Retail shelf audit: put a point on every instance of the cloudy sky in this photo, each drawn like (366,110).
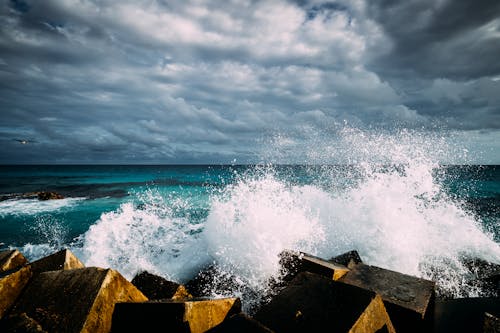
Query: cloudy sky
(211,81)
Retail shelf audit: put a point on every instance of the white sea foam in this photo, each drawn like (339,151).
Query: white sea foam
(21,207)
(397,218)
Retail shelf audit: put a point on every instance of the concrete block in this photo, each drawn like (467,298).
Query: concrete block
(191,316)
(314,303)
(409,300)
(20,323)
(63,259)
(491,323)
(11,259)
(76,300)
(464,314)
(348,259)
(155,287)
(12,285)
(240,323)
(293,262)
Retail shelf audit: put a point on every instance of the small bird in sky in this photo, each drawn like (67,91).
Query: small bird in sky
(24,141)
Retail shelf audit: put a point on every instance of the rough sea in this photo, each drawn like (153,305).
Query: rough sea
(406,212)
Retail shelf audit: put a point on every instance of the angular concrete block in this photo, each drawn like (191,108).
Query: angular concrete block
(155,287)
(293,262)
(491,323)
(240,323)
(409,300)
(314,303)
(11,259)
(76,300)
(20,323)
(464,314)
(348,259)
(63,259)
(190,316)
(11,286)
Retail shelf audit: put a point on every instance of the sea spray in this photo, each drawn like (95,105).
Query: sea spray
(387,200)
(144,236)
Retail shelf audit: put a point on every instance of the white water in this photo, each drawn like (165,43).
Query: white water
(400,220)
(34,206)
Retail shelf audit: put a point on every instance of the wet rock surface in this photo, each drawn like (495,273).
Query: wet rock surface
(58,294)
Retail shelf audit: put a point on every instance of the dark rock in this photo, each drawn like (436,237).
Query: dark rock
(464,314)
(484,276)
(293,262)
(240,323)
(190,316)
(314,303)
(11,259)
(348,259)
(212,280)
(491,323)
(76,300)
(20,323)
(63,259)
(155,287)
(409,300)
(49,196)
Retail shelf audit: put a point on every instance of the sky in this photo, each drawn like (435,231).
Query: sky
(201,81)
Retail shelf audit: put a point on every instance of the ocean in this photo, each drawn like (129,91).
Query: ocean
(172,220)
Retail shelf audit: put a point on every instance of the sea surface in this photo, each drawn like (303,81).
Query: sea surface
(173,220)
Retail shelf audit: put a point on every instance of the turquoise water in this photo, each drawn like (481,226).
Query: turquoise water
(173,220)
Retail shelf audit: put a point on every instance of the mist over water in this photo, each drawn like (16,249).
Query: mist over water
(388,202)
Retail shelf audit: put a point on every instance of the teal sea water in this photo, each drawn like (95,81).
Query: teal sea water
(393,203)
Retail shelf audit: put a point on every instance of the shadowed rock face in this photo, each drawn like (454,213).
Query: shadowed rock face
(11,259)
(33,195)
(313,303)
(76,300)
(196,315)
(155,287)
(409,300)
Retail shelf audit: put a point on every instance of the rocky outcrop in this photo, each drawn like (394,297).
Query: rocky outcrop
(42,195)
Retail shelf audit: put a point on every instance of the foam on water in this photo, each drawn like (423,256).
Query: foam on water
(394,211)
(34,206)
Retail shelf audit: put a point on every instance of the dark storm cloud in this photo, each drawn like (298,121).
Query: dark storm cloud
(191,82)
(453,39)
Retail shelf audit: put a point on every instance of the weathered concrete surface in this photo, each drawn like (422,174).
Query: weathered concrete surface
(314,303)
(348,259)
(11,286)
(76,300)
(409,300)
(191,316)
(491,323)
(20,323)
(63,259)
(293,262)
(155,287)
(11,259)
(464,314)
(240,323)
